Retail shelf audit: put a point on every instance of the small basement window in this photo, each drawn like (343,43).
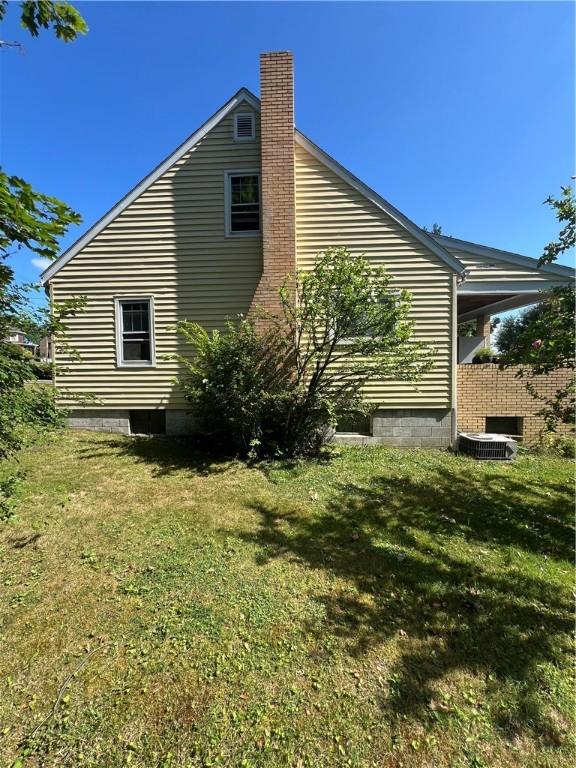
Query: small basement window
(149,422)
(357,425)
(242,203)
(244,126)
(135,331)
(505,425)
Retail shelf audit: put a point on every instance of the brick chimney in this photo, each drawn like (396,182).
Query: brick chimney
(277,177)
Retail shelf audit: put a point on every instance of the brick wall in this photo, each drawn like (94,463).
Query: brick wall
(485,390)
(277,180)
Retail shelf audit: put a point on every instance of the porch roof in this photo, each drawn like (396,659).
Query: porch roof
(497,281)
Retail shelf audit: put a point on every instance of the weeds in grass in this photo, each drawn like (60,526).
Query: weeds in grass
(388,608)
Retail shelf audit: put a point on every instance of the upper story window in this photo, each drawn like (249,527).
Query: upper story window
(242,200)
(244,128)
(135,331)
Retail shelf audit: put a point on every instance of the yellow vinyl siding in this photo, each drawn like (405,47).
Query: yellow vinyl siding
(490,269)
(169,243)
(330,212)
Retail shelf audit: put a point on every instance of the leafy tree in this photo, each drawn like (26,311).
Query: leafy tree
(31,220)
(565,209)
(545,342)
(436,229)
(348,326)
(512,327)
(61,17)
(27,219)
(278,390)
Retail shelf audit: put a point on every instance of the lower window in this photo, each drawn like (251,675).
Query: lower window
(135,331)
(505,425)
(148,422)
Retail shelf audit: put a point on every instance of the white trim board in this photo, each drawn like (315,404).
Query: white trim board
(227,203)
(507,286)
(243,95)
(119,324)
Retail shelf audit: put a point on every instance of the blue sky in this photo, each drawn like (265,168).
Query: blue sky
(457,113)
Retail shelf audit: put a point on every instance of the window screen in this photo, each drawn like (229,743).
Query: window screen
(244,196)
(135,331)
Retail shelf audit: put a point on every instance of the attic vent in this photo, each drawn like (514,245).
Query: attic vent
(244,126)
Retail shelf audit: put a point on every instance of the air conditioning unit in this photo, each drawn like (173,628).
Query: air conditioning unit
(486,445)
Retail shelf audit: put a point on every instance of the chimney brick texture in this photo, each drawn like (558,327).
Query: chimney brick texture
(277,178)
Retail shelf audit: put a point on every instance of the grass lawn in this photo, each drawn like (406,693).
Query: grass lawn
(390,608)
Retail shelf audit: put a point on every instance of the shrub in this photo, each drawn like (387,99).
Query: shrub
(41,370)
(238,385)
(485,355)
(280,391)
(7,493)
(557,445)
(25,407)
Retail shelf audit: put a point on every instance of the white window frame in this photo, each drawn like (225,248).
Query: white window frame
(228,202)
(118,302)
(252,117)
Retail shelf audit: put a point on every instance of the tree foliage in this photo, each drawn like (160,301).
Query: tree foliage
(348,326)
(34,221)
(65,21)
(565,210)
(31,219)
(278,387)
(545,336)
(512,328)
(436,229)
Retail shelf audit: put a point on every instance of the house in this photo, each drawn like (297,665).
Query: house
(18,337)
(212,232)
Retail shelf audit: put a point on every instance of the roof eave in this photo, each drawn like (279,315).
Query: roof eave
(506,256)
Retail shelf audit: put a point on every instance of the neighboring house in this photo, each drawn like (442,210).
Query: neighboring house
(213,231)
(18,337)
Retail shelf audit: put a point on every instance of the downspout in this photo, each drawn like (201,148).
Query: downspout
(456,279)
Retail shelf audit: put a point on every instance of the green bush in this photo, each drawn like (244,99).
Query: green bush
(41,370)
(25,407)
(281,391)
(557,445)
(485,354)
(239,387)
(7,496)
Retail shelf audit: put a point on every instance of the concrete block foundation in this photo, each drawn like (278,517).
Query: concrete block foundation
(100,420)
(178,422)
(405,427)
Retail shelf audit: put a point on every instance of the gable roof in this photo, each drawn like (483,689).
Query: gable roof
(517,259)
(244,95)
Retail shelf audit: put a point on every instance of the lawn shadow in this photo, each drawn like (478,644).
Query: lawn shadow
(391,544)
(166,455)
